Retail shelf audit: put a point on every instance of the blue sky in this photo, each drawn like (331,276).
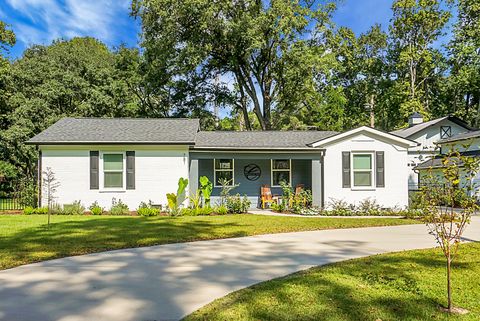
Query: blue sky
(41,21)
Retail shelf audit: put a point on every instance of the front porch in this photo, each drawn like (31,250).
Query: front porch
(253,170)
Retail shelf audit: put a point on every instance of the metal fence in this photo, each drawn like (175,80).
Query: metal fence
(11,204)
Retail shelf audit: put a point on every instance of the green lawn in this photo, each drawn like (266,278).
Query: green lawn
(26,239)
(399,286)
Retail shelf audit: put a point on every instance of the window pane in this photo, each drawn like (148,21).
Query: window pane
(222,175)
(112,179)
(362,161)
(224,164)
(113,162)
(281,164)
(362,179)
(281,176)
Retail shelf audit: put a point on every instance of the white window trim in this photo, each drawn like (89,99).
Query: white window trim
(372,170)
(102,173)
(223,170)
(280,170)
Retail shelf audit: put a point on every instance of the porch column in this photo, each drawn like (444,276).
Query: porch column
(193,176)
(317,182)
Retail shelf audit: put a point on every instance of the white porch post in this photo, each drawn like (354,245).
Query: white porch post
(317,182)
(193,176)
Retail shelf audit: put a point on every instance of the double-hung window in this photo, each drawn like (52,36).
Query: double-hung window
(362,169)
(223,171)
(113,170)
(281,171)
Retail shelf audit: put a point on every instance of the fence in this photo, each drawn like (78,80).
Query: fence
(11,204)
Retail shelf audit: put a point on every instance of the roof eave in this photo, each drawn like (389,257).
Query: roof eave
(262,149)
(107,143)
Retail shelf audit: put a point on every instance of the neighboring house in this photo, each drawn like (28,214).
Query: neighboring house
(427,134)
(139,160)
(467,143)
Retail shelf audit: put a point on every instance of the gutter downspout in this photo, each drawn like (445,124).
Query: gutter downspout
(322,179)
(39,178)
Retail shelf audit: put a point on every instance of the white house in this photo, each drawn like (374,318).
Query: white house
(139,160)
(427,135)
(468,144)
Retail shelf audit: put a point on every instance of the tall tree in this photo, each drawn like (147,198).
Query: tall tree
(7,40)
(195,49)
(415,26)
(464,52)
(78,77)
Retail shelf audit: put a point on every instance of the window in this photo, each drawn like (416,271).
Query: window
(223,169)
(445,132)
(362,170)
(113,170)
(281,171)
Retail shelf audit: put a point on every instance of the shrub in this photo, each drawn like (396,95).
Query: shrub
(368,207)
(41,210)
(278,207)
(196,211)
(237,204)
(220,210)
(205,211)
(95,209)
(76,208)
(145,209)
(28,210)
(340,208)
(119,208)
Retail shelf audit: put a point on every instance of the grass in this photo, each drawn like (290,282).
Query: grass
(409,285)
(26,239)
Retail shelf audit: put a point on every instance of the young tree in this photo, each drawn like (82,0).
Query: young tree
(270,50)
(448,199)
(50,185)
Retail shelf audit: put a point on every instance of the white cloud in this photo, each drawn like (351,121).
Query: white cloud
(52,19)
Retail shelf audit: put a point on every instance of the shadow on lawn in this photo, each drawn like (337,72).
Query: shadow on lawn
(399,295)
(76,237)
(147,283)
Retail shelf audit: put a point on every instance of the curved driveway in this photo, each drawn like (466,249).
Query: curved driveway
(167,282)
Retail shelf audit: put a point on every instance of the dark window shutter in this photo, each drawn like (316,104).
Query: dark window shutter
(130,170)
(346,169)
(94,160)
(380,168)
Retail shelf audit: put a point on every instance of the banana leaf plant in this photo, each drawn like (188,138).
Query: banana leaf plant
(176,200)
(206,188)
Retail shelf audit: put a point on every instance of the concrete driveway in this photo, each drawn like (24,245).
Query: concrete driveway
(170,281)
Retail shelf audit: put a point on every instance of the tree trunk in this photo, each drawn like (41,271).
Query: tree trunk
(449,286)
(372,111)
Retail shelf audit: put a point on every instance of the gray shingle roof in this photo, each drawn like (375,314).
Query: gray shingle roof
(259,139)
(407,132)
(436,162)
(461,136)
(119,130)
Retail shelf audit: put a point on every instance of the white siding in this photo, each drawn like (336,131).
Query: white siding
(157,170)
(427,148)
(429,136)
(395,192)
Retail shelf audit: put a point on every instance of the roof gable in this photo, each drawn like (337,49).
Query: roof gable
(119,131)
(409,131)
(381,135)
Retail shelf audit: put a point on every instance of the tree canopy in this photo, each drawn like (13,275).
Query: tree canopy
(280,64)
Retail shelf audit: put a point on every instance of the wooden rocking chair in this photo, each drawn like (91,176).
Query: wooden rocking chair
(266,196)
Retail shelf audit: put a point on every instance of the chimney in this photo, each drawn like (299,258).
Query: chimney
(415,119)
